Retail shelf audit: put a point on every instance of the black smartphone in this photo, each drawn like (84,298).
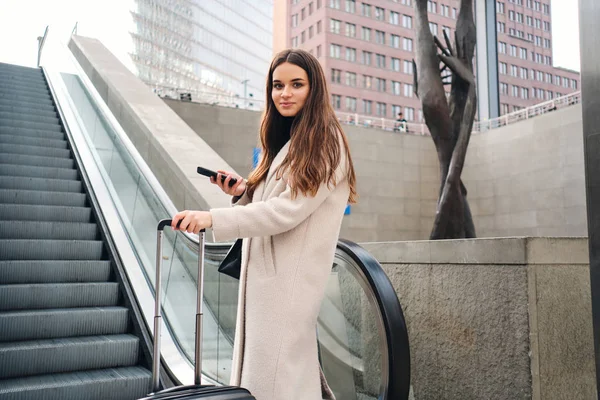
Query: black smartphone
(209,173)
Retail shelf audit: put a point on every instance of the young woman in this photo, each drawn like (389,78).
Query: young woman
(289,213)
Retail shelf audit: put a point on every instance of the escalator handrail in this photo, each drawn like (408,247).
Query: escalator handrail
(396,332)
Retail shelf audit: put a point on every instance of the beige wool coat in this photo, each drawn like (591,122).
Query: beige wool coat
(286,262)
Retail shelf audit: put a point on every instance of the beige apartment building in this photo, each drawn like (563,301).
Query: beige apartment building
(367,48)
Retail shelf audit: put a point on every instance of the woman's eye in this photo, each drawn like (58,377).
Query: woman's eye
(297,85)
(277,86)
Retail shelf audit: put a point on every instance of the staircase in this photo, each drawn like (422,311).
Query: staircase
(65,332)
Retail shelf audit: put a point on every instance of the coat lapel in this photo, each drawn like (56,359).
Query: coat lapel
(276,163)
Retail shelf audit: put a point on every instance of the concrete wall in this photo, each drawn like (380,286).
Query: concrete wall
(495,318)
(527,179)
(397,174)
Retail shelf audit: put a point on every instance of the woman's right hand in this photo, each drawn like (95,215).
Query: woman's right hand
(236,190)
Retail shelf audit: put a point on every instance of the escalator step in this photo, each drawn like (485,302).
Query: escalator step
(52,356)
(58,295)
(39,197)
(30,212)
(47,271)
(28,183)
(49,249)
(62,322)
(25,90)
(16,80)
(115,384)
(33,141)
(34,150)
(15,108)
(30,125)
(38,161)
(33,107)
(42,100)
(28,116)
(38,172)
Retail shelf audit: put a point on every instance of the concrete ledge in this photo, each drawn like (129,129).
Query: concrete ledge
(171,148)
(492,251)
(505,318)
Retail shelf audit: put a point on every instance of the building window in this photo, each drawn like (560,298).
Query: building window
(295,20)
(367,107)
(336,101)
(408,90)
(523,73)
(523,53)
(380,83)
(335,50)
(501,27)
(351,79)
(547,43)
(310,8)
(546,9)
(350,54)
(432,7)
(409,113)
(379,37)
(407,44)
(408,67)
(447,30)
(303,13)
(407,21)
(380,61)
(319,27)
(499,7)
(366,10)
(504,89)
(311,32)
(396,110)
(295,41)
(381,109)
(395,41)
(394,18)
(336,76)
(433,28)
(302,36)
(405,2)
(396,88)
(519,18)
(335,4)
(525,93)
(502,67)
(501,47)
(367,82)
(511,15)
(513,50)
(395,64)
(351,104)
(350,30)
(514,70)
(335,26)
(351,6)
(454,13)
(367,57)
(366,34)
(529,21)
(318,4)
(379,14)
(515,91)
(318,51)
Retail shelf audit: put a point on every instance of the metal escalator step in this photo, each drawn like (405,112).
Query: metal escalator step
(27,105)
(48,271)
(30,212)
(58,295)
(15,108)
(33,141)
(62,322)
(115,384)
(28,183)
(25,90)
(38,172)
(30,116)
(12,68)
(40,197)
(32,84)
(50,356)
(43,100)
(48,249)
(37,161)
(30,125)
(34,150)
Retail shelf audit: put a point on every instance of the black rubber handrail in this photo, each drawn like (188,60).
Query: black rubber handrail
(398,385)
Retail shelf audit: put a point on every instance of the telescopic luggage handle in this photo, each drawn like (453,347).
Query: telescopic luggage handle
(158,314)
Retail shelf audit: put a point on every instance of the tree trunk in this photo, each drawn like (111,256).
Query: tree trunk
(449,122)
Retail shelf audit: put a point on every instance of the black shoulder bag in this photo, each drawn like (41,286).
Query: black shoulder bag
(232,263)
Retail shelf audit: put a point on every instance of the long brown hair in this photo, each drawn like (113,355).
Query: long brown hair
(314,152)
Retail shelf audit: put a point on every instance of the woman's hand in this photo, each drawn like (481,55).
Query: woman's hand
(236,190)
(192,221)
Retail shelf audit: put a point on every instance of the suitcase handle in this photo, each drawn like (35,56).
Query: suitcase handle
(158,311)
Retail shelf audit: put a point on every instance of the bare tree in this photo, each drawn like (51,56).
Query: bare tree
(449,120)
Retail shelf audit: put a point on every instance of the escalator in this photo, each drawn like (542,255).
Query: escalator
(65,327)
(78,212)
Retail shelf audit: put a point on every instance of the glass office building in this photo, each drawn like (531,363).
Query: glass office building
(213,49)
